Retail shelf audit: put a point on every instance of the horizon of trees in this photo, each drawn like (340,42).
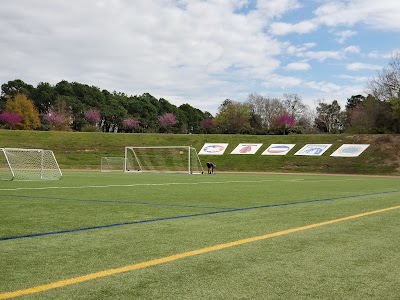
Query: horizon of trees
(80,107)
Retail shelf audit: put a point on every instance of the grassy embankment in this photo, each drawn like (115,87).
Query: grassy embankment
(83,150)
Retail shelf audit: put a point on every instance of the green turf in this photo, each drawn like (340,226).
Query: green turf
(176,213)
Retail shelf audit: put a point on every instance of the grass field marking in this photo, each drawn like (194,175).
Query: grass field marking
(299,180)
(228,210)
(109,201)
(134,185)
(154,262)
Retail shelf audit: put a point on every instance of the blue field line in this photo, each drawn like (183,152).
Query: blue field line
(112,201)
(191,215)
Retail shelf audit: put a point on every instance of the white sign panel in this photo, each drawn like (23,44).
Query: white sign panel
(350,150)
(246,149)
(213,149)
(278,149)
(313,149)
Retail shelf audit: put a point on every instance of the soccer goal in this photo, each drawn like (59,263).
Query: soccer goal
(28,164)
(110,164)
(174,159)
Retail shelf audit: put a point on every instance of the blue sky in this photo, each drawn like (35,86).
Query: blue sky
(202,52)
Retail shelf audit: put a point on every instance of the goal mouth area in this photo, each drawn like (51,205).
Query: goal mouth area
(28,164)
(162,159)
(112,164)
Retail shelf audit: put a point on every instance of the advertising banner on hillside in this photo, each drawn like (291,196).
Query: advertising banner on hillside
(350,150)
(278,149)
(213,149)
(313,149)
(246,149)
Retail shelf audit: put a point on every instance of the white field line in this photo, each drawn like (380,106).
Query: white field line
(173,183)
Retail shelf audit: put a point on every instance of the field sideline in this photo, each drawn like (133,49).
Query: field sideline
(98,235)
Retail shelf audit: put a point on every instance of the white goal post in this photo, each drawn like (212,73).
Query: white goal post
(28,164)
(173,159)
(110,164)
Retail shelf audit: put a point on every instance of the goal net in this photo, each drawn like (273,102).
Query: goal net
(28,164)
(177,159)
(110,164)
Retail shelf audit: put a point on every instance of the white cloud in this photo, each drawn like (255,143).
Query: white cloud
(352,49)
(282,82)
(326,87)
(357,79)
(334,13)
(343,36)
(280,28)
(362,66)
(376,14)
(345,13)
(298,66)
(321,56)
(150,46)
(276,8)
(380,54)
(299,50)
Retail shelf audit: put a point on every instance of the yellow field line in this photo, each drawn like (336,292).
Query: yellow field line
(74,280)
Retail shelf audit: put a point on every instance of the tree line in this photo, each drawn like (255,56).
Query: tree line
(80,107)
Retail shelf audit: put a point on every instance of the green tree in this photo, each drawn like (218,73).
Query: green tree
(353,101)
(143,108)
(64,88)
(378,114)
(166,107)
(65,93)
(44,96)
(11,89)
(14,87)
(256,122)
(371,116)
(90,96)
(192,117)
(233,117)
(113,116)
(395,106)
(330,118)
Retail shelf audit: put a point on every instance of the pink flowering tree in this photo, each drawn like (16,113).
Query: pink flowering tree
(285,121)
(57,121)
(207,124)
(131,124)
(11,119)
(92,116)
(167,120)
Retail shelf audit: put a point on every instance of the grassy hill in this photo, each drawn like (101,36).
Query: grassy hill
(83,150)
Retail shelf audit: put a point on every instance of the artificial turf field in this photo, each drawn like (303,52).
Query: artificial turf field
(96,235)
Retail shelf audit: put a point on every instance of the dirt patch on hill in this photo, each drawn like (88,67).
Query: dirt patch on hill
(385,147)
